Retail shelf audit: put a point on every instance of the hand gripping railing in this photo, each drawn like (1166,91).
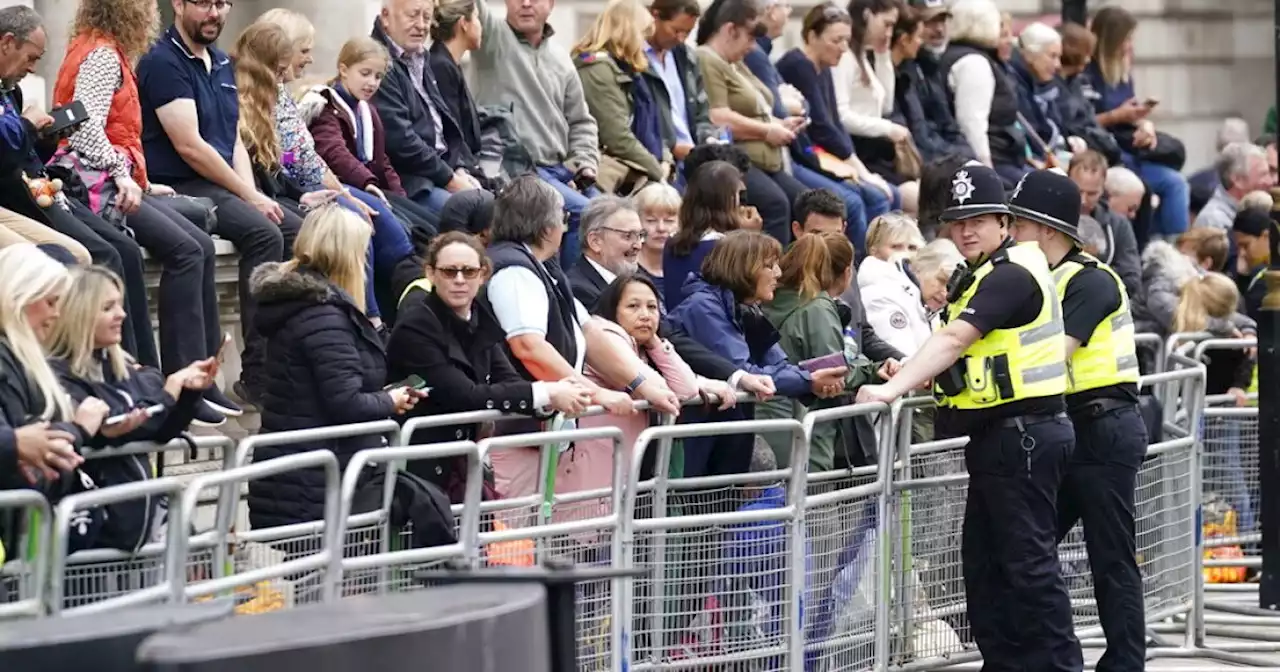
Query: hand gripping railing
(328,559)
(466,547)
(30,570)
(792,514)
(73,504)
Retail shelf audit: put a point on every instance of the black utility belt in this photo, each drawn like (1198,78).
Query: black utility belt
(1098,407)
(1023,421)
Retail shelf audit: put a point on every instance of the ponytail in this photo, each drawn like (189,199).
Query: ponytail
(815,262)
(1208,296)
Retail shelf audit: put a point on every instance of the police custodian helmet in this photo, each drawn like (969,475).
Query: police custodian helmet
(1049,198)
(975,190)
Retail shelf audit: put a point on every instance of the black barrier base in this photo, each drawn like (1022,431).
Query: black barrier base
(98,642)
(560,578)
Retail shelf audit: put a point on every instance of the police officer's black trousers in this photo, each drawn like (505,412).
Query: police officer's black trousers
(1019,611)
(1099,492)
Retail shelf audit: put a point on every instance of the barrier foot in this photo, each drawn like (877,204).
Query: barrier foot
(560,579)
(1230,657)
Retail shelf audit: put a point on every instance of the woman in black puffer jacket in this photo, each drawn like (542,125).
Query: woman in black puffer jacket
(326,364)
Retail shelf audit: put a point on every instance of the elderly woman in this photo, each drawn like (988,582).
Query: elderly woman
(890,294)
(982,94)
(1035,66)
(659,207)
(548,332)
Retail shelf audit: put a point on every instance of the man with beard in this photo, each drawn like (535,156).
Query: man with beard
(190,113)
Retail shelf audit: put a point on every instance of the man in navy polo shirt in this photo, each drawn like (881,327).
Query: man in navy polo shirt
(190,111)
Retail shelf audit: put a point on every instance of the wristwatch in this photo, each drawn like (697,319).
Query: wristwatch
(634,384)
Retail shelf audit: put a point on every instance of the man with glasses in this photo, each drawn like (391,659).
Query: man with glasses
(518,66)
(190,113)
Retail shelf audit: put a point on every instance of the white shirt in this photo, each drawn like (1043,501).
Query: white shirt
(974,85)
(864,106)
(605,273)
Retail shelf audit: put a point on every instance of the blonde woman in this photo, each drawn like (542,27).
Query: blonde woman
(611,62)
(40,430)
(892,299)
(659,208)
(326,364)
(86,352)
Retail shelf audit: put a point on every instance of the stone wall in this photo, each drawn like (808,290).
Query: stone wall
(1204,59)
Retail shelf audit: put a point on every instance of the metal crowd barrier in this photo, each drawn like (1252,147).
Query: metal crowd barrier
(848,569)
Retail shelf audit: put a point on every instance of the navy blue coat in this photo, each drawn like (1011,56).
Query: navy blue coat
(326,365)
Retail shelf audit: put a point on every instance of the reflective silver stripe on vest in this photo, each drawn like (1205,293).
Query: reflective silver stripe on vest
(1126,362)
(1039,374)
(1041,333)
(1121,321)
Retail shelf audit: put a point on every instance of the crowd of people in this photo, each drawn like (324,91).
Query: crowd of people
(634,218)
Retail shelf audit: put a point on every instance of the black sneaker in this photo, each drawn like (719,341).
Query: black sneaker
(205,416)
(249,396)
(220,403)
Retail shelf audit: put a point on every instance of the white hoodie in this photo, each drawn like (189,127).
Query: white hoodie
(893,305)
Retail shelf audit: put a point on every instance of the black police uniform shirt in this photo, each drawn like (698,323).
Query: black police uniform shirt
(1091,295)
(1007,298)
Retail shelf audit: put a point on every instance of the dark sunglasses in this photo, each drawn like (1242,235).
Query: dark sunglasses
(468,272)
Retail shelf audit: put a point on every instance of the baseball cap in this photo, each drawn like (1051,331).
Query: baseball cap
(931,9)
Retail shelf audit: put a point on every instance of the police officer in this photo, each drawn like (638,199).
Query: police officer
(999,370)
(1102,401)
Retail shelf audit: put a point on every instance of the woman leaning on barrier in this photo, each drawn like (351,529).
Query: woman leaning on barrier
(811,324)
(721,310)
(326,364)
(455,343)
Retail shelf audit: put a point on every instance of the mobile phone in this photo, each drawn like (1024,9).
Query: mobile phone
(151,411)
(830,361)
(66,119)
(226,339)
(414,382)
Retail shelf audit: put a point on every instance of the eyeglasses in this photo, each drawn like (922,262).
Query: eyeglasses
(629,236)
(207,5)
(468,272)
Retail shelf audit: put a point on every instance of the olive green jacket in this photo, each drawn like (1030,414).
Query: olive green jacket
(608,92)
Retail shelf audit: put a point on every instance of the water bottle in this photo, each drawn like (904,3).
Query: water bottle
(851,349)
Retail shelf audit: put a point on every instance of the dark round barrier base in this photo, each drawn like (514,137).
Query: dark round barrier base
(98,642)
(476,628)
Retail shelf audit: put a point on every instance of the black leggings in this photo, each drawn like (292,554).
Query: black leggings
(772,195)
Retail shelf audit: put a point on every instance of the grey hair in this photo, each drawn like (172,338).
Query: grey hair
(1233,129)
(1121,180)
(939,258)
(1037,37)
(1257,200)
(19,21)
(1091,234)
(1233,161)
(976,21)
(600,210)
(525,210)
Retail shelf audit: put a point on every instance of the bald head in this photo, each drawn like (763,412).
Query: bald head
(407,22)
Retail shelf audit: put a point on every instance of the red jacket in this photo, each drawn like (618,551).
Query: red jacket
(333,126)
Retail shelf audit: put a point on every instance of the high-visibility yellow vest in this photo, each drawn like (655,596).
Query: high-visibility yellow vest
(1111,356)
(1253,384)
(1035,354)
(421,283)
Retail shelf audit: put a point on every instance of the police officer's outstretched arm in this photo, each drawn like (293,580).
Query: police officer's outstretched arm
(935,356)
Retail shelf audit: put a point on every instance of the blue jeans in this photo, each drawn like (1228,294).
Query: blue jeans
(862,202)
(388,247)
(574,203)
(1173,215)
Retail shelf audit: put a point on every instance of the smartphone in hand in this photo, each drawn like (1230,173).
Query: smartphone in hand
(151,411)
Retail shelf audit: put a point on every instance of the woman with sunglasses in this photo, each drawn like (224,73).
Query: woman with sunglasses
(455,343)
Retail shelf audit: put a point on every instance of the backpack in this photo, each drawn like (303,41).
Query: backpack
(416,503)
